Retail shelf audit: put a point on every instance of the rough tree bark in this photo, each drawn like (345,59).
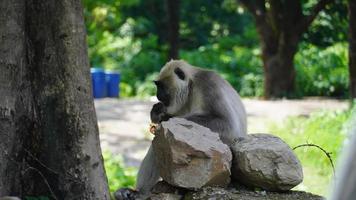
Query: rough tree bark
(173,7)
(280,25)
(49,141)
(352,47)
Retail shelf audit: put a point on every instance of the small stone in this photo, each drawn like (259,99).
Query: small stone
(190,155)
(267,162)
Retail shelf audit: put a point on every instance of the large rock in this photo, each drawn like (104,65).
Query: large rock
(265,161)
(241,194)
(191,156)
(164,191)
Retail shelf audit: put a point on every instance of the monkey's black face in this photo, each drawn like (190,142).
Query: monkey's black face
(162,93)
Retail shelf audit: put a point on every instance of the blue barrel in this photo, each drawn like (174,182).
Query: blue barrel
(98,82)
(112,83)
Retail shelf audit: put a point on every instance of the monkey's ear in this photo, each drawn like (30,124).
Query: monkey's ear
(179,73)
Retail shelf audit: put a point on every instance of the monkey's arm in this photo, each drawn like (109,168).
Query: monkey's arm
(148,173)
(215,124)
(212,122)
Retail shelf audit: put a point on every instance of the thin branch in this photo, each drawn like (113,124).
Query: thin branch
(256,7)
(308,19)
(263,22)
(276,13)
(34,169)
(325,152)
(69,176)
(39,162)
(44,179)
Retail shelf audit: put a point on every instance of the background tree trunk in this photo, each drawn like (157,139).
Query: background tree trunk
(173,7)
(277,56)
(49,142)
(352,48)
(280,26)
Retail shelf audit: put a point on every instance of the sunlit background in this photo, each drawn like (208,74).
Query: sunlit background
(132,37)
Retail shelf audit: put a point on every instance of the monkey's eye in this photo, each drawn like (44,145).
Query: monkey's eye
(179,73)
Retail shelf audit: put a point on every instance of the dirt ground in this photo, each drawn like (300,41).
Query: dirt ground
(123,124)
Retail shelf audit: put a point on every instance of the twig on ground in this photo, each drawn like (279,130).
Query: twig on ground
(39,162)
(44,179)
(34,169)
(69,176)
(323,150)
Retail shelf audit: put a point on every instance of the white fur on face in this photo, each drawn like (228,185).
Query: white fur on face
(179,89)
(179,96)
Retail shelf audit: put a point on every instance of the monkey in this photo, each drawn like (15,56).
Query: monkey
(198,95)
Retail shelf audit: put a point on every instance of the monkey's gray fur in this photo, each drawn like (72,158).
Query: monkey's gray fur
(199,95)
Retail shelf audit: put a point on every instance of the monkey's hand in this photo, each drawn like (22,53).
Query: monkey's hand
(125,194)
(159,113)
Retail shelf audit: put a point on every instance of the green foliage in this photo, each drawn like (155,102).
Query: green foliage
(322,72)
(205,22)
(147,88)
(252,85)
(126,90)
(131,36)
(330,26)
(327,129)
(118,175)
(240,65)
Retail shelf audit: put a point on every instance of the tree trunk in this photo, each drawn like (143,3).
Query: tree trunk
(352,48)
(173,7)
(49,142)
(280,26)
(277,56)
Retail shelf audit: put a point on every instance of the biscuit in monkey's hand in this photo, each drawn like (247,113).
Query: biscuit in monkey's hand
(153,128)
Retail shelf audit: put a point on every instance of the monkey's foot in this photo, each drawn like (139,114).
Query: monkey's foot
(125,194)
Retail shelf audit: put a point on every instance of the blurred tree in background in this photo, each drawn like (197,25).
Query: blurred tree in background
(352,48)
(173,8)
(280,25)
(137,37)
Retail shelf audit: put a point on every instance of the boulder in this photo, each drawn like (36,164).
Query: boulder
(267,162)
(190,155)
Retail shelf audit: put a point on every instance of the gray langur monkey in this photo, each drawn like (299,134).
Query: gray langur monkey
(195,94)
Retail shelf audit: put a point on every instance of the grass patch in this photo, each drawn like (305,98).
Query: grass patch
(118,174)
(328,129)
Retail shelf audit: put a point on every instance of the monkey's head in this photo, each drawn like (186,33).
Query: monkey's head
(173,85)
